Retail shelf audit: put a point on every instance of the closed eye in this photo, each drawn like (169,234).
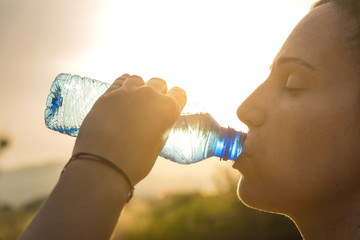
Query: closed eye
(295,84)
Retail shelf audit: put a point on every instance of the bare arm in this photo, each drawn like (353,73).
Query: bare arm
(85,204)
(128,125)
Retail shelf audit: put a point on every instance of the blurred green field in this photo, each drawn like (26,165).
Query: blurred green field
(178,216)
(195,216)
(14,220)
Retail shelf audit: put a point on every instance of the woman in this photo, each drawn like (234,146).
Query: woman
(302,154)
(301,157)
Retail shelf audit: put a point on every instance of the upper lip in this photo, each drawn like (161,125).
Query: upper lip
(242,155)
(248,144)
(245,151)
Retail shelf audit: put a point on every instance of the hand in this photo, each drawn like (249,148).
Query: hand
(129,124)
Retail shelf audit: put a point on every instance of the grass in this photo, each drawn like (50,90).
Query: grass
(193,216)
(177,217)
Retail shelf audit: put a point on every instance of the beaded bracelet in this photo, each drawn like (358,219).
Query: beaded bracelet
(93,157)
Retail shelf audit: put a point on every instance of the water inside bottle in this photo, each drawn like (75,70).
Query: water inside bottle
(191,139)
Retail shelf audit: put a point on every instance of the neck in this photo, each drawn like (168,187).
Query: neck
(330,221)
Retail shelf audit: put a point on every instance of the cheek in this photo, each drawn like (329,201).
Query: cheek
(305,143)
(313,150)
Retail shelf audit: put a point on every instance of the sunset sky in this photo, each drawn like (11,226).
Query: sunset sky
(218,51)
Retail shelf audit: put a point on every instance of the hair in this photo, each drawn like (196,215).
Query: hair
(352,8)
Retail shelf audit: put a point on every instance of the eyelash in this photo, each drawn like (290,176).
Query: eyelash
(291,90)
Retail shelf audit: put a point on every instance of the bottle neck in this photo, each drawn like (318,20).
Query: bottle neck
(229,144)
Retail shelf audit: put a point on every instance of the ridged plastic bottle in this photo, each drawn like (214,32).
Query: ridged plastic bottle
(194,137)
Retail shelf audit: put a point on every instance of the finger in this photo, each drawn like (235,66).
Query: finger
(118,82)
(179,95)
(158,84)
(133,81)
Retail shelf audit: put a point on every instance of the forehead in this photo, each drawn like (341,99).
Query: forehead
(321,38)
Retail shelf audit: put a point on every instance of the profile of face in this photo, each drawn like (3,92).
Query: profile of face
(303,146)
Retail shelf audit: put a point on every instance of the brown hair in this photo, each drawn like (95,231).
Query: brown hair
(352,8)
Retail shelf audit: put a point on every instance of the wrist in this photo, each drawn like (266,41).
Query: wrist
(105,172)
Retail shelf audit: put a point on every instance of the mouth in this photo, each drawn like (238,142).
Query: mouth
(238,160)
(247,153)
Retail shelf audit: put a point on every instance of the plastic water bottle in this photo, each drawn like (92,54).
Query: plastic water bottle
(194,137)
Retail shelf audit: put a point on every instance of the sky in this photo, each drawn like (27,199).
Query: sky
(218,51)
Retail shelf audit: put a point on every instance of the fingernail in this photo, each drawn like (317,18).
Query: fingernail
(125,75)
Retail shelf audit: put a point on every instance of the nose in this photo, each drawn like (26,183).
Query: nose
(252,111)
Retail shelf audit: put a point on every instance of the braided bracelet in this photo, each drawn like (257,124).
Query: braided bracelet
(93,157)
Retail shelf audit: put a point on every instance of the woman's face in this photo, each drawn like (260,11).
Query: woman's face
(303,144)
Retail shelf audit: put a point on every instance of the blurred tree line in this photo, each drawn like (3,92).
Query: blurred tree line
(177,217)
(195,216)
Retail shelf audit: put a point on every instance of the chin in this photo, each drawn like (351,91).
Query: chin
(246,193)
(256,197)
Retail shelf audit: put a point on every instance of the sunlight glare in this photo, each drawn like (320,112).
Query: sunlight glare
(218,51)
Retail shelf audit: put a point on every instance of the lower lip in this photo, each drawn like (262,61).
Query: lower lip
(239,160)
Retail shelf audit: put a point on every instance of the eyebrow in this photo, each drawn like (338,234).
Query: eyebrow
(283,60)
